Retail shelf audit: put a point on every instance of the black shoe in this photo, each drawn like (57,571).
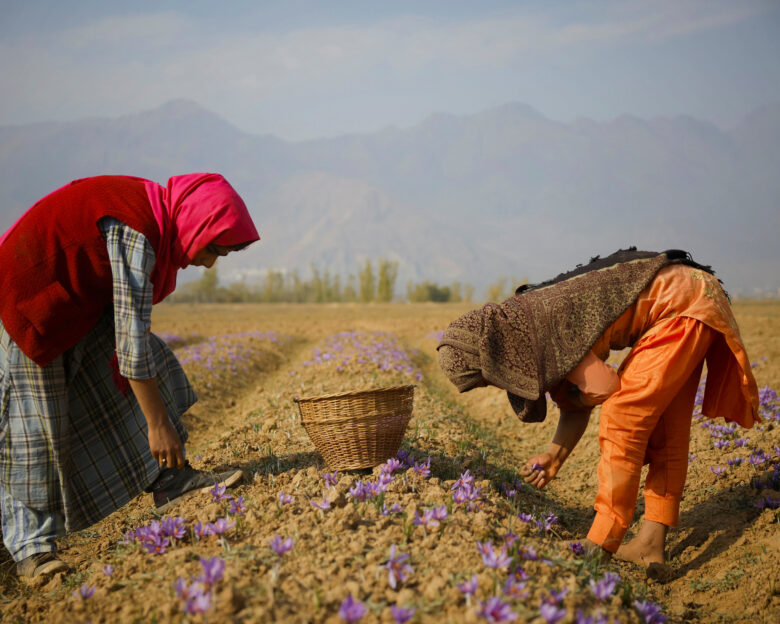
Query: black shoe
(173,485)
(40,564)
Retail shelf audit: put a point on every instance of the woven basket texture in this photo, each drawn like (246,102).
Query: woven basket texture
(357,429)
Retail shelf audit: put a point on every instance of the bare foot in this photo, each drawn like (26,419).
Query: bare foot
(640,552)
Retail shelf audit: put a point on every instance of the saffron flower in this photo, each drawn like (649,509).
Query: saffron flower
(552,613)
(108,570)
(604,588)
(757,457)
(173,527)
(401,615)
(202,530)
(577,548)
(323,504)
(469,588)
(514,588)
(650,611)
(427,520)
(528,552)
(491,558)
(496,610)
(280,546)
(200,602)
(440,513)
(221,526)
(423,469)
(718,471)
(157,545)
(212,570)
(398,568)
(237,506)
(391,465)
(598,618)
(466,480)
(537,467)
(394,509)
(525,517)
(555,597)
(510,537)
(218,493)
(84,592)
(330,478)
(736,461)
(285,499)
(351,610)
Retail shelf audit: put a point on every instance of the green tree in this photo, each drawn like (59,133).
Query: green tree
(367,282)
(387,274)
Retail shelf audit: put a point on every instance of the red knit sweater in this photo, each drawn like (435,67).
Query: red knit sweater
(55,275)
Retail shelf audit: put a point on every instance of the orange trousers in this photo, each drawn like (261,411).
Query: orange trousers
(648,420)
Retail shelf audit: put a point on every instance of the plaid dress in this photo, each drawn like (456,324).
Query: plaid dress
(71,443)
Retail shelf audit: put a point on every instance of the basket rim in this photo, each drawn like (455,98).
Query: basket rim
(348,393)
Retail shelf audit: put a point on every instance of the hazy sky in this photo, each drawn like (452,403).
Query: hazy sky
(310,68)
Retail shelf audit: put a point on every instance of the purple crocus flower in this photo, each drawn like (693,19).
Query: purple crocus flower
(108,569)
(603,589)
(650,611)
(423,469)
(395,508)
(577,548)
(237,506)
(496,610)
(398,568)
(757,457)
(330,478)
(358,491)
(391,465)
(202,530)
(440,513)
(491,558)
(525,517)
(552,613)
(173,527)
(469,588)
(218,493)
(514,589)
(199,602)
(212,570)
(351,610)
(466,480)
(280,546)
(401,615)
(555,597)
(285,499)
(84,592)
(323,504)
(157,545)
(739,442)
(528,552)
(718,471)
(598,618)
(426,520)
(221,525)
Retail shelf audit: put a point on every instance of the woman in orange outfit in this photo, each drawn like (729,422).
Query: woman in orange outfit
(674,315)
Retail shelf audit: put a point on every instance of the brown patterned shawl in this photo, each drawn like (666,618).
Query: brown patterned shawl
(530,342)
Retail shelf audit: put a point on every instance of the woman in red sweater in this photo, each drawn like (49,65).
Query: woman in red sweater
(91,400)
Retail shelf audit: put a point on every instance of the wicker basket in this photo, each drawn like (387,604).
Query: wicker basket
(358,429)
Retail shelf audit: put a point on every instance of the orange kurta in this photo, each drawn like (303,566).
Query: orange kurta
(680,320)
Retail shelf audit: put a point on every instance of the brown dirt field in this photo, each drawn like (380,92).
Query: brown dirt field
(725,553)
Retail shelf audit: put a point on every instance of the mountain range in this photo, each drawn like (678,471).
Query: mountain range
(474,198)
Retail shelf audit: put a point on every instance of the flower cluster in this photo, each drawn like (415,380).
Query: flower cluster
(464,491)
(196,596)
(368,351)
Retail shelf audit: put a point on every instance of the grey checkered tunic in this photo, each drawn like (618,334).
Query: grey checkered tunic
(70,441)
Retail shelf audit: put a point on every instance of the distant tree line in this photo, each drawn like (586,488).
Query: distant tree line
(370,284)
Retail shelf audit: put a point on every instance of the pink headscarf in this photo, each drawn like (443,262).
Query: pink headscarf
(193,211)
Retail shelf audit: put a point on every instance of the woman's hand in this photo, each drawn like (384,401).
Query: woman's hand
(166,446)
(541,469)
(164,441)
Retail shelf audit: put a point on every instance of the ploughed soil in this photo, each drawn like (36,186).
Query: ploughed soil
(248,363)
